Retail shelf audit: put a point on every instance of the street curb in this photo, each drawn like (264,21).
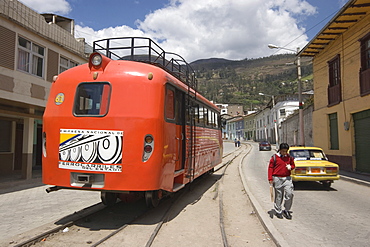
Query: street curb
(355,180)
(263,216)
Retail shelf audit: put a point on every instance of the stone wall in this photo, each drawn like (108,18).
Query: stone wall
(289,130)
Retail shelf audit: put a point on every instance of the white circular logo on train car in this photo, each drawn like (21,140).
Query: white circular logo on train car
(110,149)
(59,99)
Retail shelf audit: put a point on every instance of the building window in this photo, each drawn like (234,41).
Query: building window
(65,64)
(334,88)
(30,57)
(333,126)
(282,113)
(365,65)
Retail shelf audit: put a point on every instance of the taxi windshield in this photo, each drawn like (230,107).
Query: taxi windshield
(307,154)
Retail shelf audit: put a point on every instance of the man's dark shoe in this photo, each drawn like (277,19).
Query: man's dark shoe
(287,214)
(279,215)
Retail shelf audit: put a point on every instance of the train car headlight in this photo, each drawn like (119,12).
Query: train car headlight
(148,147)
(96,59)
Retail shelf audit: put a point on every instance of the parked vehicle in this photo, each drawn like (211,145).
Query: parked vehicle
(129,123)
(313,165)
(265,145)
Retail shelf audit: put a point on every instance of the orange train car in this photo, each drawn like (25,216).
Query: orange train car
(128,122)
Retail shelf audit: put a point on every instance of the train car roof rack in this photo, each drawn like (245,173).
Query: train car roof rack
(146,50)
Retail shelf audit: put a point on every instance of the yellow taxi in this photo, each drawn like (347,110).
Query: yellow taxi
(313,165)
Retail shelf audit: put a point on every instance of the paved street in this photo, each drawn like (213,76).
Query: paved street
(338,217)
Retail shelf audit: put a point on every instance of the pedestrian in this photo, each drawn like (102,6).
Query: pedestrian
(236,142)
(279,170)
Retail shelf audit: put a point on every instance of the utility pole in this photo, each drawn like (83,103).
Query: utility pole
(301,123)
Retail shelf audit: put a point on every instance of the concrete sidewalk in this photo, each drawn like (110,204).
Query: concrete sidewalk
(14,182)
(25,205)
(358,178)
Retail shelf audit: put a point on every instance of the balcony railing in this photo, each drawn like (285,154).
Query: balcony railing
(334,95)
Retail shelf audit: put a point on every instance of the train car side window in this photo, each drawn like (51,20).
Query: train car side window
(92,99)
(187,111)
(205,116)
(170,104)
(216,120)
(210,118)
(201,115)
(179,107)
(196,113)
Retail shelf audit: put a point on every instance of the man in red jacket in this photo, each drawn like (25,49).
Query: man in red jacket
(279,170)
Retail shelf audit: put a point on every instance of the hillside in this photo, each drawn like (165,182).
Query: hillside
(240,82)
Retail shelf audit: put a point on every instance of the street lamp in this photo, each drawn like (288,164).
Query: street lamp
(273,98)
(275,120)
(301,124)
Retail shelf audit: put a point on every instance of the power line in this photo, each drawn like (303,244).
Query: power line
(327,17)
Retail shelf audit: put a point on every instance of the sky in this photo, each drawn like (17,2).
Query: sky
(200,29)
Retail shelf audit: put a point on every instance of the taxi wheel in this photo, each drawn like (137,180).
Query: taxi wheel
(108,198)
(326,184)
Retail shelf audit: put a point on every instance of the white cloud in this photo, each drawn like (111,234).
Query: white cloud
(50,6)
(121,31)
(231,29)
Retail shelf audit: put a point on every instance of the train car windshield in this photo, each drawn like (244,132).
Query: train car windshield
(92,99)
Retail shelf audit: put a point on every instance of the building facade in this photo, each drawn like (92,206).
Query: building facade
(34,49)
(268,121)
(341,68)
(262,121)
(235,110)
(289,128)
(223,108)
(250,127)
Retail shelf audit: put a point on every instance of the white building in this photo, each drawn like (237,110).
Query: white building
(268,121)
(262,124)
(223,108)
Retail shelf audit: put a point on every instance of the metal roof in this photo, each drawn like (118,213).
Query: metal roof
(348,15)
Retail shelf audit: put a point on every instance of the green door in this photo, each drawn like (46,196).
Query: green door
(362,140)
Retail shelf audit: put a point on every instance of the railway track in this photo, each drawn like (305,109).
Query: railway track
(135,225)
(221,197)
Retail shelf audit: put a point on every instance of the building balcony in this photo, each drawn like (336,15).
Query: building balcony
(365,82)
(334,94)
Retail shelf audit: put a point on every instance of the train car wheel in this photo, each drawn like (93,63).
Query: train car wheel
(152,198)
(210,172)
(108,198)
